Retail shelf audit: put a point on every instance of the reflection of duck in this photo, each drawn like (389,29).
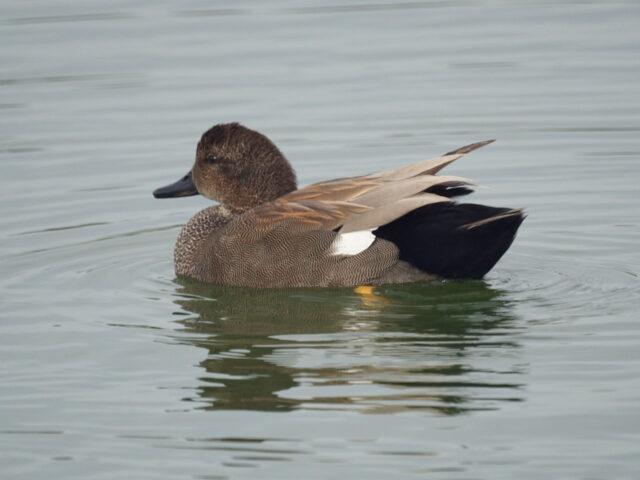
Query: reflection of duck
(396,226)
(415,351)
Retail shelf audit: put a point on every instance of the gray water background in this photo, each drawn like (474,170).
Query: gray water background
(113,368)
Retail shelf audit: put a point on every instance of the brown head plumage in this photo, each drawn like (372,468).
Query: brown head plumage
(240,168)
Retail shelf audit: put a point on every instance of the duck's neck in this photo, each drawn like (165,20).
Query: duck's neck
(194,233)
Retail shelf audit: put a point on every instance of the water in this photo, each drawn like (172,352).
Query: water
(113,368)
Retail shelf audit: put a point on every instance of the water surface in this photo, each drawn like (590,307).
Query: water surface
(114,368)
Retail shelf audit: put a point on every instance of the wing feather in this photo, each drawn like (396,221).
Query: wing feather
(389,212)
(392,191)
(360,203)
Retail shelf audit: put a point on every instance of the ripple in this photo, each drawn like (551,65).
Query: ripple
(57,229)
(329,9)
(89,17)
(68,78)
(559,288)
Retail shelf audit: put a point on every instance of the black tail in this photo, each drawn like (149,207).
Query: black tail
(454,240)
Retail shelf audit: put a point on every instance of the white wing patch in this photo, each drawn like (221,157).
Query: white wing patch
(352,243)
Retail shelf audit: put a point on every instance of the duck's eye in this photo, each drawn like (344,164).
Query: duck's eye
(212,158)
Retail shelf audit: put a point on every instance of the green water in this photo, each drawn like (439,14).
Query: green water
(113,368)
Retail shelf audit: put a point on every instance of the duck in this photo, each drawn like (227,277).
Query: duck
(397,226)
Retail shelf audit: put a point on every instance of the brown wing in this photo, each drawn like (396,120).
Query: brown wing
(360,203)
(340,189)
(294,217)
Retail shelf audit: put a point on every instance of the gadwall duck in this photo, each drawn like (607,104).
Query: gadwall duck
(398,226)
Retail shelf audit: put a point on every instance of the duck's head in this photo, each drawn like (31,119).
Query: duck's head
(236,166)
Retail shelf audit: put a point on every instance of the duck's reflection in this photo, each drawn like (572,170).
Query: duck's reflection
(446,347)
